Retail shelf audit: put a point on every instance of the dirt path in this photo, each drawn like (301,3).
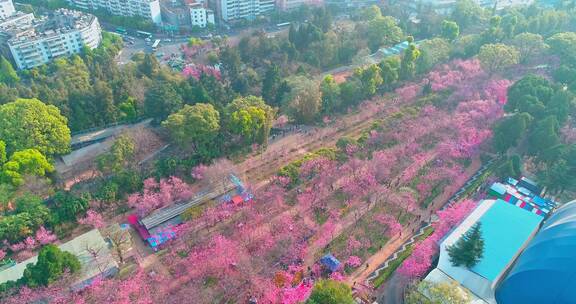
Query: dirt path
(258,167)
(381,256)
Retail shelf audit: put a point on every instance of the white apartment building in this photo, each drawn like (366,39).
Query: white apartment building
(18,18)
(34,42)
(200,16)
(6,8)
(239,9)
(267,6)
(286,5)
(231,10)
(149,9)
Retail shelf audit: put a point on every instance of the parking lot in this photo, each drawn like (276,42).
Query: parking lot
(134,45)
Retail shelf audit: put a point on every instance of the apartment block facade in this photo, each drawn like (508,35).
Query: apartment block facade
(149,9)
(232,10)
(31,43)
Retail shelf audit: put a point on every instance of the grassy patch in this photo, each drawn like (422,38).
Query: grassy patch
(386,273)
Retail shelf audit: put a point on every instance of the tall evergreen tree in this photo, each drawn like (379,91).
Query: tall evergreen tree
(469,249)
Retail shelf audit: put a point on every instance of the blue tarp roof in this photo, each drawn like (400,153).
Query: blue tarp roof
(541,202)
(530,185)
(330,261)
(501,243)
(548,264)
(498,188)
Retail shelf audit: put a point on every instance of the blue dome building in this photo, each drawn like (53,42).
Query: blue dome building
(545,272)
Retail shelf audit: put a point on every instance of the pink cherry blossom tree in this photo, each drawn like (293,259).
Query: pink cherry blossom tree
(44,236)
(158,194)
(393,227)
(354,261)
(93,219)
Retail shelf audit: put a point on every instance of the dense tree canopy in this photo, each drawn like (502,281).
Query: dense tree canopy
(7,72)
(496,57)
(383,31)
(450,30)
(51,264)
(329,292)
(529,45)
(508,131)
(31,124)
(564,45)
(25,162)
(303,99)
(162,100)
(251,118)
(196,125)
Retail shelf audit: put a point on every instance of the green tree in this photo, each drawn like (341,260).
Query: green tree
(330,90)
(509,23)
(564,45)
(149,65)
(437,293)
(31,124)
(466,13)
(370,78)
(3,158)
(466,46)
(509,131)
(330,292)
(383,31)
(251,118)
(51,264)
(530,85)
(432,52)
(496,57)
(510,168)
(469,249)
(544,136)
(25,162)
(162,100)
(304,99)
(560,105)
(196,125)
(270,84)
(408,63)
(558,176)
(450,30)
(7,72)
(29,215)
(389,69)
(120,155)
(67,207)
(372,12)
(529,45)
(565,74)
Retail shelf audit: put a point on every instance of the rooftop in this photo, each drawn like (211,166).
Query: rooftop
(60,21)
(506,229)
(84,247)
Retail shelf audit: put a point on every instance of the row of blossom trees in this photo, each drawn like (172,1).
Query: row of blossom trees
(237,252)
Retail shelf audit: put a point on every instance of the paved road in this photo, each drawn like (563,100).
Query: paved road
(392,292)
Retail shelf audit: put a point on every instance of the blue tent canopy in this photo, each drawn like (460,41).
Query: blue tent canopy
(548,263)
(330,261)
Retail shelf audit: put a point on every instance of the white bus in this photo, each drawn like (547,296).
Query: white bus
(156,44)
(281,25)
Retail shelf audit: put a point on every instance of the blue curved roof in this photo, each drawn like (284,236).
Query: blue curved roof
(546,271)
